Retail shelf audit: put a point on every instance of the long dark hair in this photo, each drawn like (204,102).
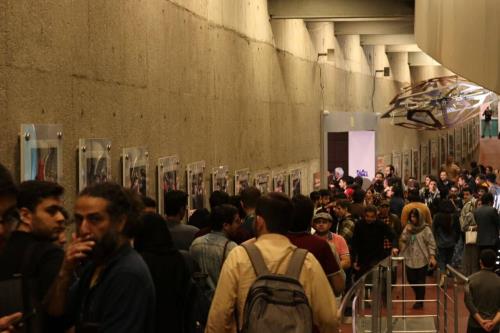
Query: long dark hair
(415,212)
(446,210)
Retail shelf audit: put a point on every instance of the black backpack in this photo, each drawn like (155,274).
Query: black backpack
(273,297)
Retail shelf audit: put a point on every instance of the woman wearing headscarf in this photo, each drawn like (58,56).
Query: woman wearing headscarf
(168,269)
(418,246)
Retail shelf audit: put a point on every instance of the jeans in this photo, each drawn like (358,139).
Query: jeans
(445,254)
(417,276)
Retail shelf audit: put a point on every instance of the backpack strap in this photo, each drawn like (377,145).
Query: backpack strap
(224,255)
(296,263)
(257,260)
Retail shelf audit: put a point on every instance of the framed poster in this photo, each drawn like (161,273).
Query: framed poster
(295,182)
(465,143)
(220,178)
(406,167)
(415,163)
(478,132)
(451,143)
(443,149)
(458,146)
(469,138)
(380,163)
(168,168)
(396,162)
(434,155)
(262,181)
(424,160)
(196,185)
(135,168)
(41,152)
(241,180)
(280,182)
(94,162)
(316,181)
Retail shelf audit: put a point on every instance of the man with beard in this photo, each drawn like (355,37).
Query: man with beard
(368,241)
(30,250)
(389,171)
(378,183)
(115,291)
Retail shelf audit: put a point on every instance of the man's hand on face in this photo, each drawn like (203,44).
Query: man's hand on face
(7,322)
(78,249)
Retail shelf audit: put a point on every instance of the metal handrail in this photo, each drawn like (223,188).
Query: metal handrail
(357,286)
(457,274)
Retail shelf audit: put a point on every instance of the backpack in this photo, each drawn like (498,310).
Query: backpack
(274,297)
(196,303)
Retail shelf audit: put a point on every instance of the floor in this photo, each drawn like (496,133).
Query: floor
(420,323)
(489,153)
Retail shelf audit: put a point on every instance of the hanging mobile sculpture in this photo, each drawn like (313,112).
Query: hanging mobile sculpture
(438,103)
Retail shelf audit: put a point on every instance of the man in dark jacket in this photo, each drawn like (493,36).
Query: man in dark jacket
(488,224)
(115,291)
(368,241)
(483,298)
(30,250)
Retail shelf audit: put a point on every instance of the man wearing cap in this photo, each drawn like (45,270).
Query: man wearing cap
(322,222)
(392,220)
(300,236)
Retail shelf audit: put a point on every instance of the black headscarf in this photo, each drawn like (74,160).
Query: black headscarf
(168,269)
(153,235)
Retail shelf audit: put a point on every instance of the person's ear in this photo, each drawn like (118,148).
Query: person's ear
(26,216)
(121,223)
(259,222)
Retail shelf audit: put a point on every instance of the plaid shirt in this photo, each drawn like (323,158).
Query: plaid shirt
(345,228)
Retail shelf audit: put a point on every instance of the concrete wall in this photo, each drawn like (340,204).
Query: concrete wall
(208,80)
(462,35)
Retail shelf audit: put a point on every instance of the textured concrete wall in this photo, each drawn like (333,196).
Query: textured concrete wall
(463,36)
(211,80)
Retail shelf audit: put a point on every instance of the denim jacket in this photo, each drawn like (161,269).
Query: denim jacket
(208,252)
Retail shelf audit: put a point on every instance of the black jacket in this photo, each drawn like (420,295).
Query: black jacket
(368,242)
(488,225)
(38,261)
(169,271)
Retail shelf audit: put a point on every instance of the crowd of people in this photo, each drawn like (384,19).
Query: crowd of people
(245,264)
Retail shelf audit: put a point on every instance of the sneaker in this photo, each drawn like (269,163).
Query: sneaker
(418,305)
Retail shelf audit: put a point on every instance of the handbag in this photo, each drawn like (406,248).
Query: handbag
(471,235)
